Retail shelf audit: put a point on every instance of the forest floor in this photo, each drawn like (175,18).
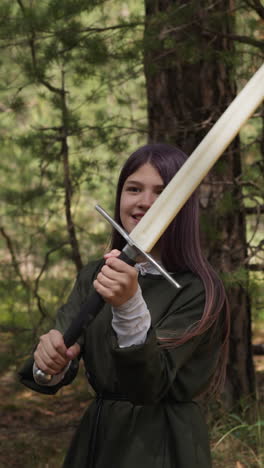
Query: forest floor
(35,429)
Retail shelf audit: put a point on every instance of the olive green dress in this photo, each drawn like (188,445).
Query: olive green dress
(144,414)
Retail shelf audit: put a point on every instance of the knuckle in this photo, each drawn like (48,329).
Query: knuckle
(54,333)
(53,356)
(58,347)
(50,362)
(110,261)
(100,276)
(54,351)
(45,367)
(117,289)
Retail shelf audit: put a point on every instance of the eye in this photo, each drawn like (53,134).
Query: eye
(159,191)
(132,188)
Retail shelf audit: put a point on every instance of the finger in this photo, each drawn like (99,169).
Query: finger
(54,347)
(116,282)
(108,274)
(73,351)
(105,292)
(48,362)
(112,253)
(56,341)
(43,366)
(47,350)
(115,279)
(53,359)
(47,366)
(121,266)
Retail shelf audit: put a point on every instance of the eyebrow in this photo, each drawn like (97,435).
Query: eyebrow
(131,181)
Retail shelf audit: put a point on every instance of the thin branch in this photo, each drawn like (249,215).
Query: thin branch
(234,37)
(255,267)
(12,253)
(31,42)
(250,210)
(258,349)
(115,27)
(46,260)
(257,6)
(42,309)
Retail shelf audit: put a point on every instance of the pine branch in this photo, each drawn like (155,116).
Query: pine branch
(20,3)
(257,6)
(258,349)
(15,263)
(16,267)
(255,267)
(234,37)
(31,42)
(249,210)
(115,27)
(42,310)
(46,260)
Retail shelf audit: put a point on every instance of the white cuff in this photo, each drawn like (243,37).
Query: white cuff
(131,321)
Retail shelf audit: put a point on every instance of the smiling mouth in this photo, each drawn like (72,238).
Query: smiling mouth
(138,217)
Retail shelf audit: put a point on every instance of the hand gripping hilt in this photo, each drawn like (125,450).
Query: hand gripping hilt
(92,306)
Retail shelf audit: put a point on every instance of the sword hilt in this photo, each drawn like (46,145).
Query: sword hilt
(88,312)
(92,306)
(132,249)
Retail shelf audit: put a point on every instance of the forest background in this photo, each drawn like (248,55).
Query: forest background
(82,84)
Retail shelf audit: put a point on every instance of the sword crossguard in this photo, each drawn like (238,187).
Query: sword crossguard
(94,303)
(133,250)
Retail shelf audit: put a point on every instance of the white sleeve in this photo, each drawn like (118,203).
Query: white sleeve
(131,321)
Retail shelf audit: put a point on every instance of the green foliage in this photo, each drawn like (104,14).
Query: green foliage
(257,298)
(236,437)
(72,91)
(60,92)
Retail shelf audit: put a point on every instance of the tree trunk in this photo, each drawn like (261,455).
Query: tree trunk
(75,251)
(189,85)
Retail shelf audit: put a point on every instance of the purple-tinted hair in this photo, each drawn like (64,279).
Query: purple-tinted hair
(183,232)
(180,245)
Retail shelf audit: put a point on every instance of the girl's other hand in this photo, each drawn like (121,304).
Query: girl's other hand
(51,355)
(117,281)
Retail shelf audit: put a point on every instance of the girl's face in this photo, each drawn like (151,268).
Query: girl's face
(139,191)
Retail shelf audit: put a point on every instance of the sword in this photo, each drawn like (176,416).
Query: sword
(150,228)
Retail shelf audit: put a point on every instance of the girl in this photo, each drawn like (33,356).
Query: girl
(153,349)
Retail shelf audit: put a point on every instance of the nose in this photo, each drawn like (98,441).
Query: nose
(146,199)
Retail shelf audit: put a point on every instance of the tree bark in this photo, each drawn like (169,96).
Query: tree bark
(76,256)
(189,85)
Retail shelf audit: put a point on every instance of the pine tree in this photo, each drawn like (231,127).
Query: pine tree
(191,69)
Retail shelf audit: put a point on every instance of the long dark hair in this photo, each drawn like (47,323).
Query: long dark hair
(180,248)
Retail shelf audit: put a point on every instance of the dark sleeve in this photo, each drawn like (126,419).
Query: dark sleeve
(25,376)
(149,373)
(64,317)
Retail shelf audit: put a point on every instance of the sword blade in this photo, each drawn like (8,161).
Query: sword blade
(150,228)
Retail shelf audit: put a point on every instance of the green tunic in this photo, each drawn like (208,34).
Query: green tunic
(144,415)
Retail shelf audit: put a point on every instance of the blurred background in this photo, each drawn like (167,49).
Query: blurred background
(82,85)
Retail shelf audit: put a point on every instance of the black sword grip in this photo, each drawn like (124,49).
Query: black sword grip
(88,311)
